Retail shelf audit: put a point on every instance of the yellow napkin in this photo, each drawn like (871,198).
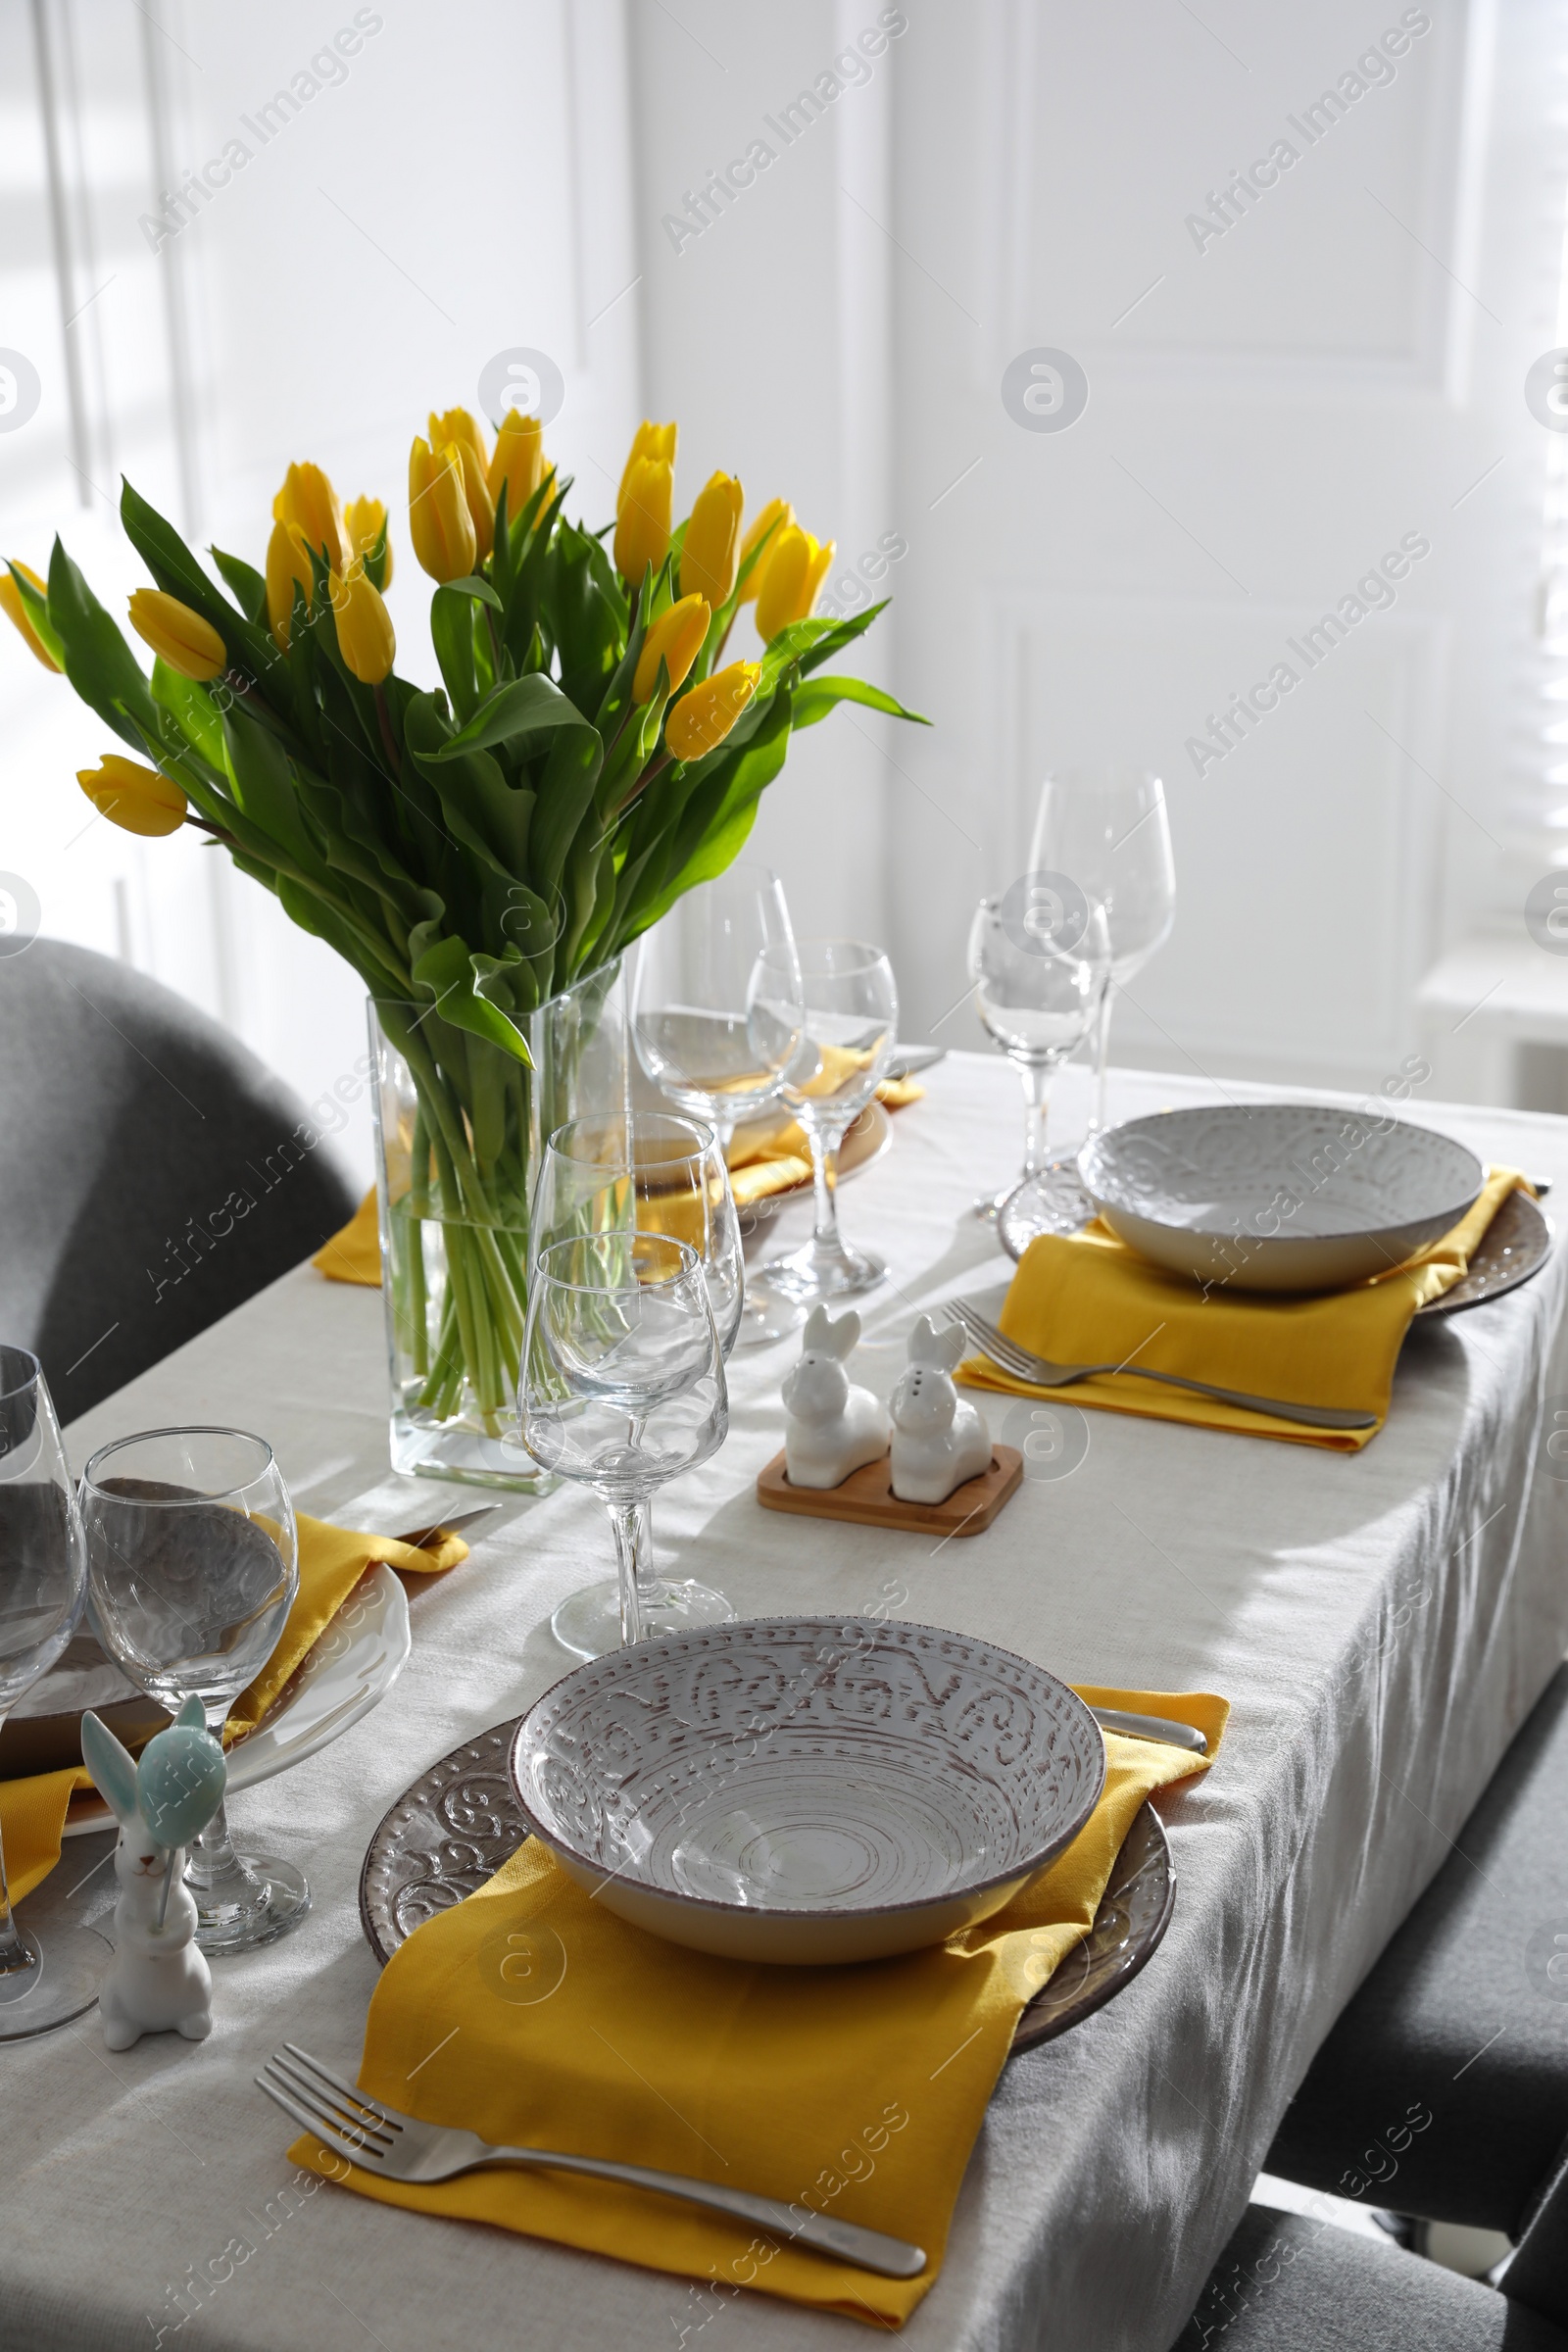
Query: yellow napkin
(532,2015)
(332,1561)
(755,1171)
(1086,1298)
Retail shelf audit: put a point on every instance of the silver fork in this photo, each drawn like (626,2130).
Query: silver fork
(399,2147)
(1041,1373)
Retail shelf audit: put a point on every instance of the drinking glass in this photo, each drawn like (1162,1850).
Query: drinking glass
(623,1389)
(839,999)
(693,1028)
(651,1172)
(1041,970)
(43,1576)
(192,1568)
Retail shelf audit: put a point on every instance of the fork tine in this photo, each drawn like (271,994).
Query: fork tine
(309,2122)
(361,2098)
(318,2117)
(993,1342)
(347,2118)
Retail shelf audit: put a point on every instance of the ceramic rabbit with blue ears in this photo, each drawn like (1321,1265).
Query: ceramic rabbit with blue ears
(940,1441)
(157,1981)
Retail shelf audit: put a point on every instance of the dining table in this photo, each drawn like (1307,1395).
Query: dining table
(1381,1621)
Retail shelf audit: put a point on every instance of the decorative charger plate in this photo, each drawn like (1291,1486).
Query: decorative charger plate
(458,1823)
(865,1141)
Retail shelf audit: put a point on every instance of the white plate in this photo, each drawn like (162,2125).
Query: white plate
(1278,1196)
(354,1663)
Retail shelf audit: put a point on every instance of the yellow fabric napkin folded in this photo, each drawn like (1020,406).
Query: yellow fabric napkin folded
(332,1561)
(532,2015)
(756,1169)
(1088,1298)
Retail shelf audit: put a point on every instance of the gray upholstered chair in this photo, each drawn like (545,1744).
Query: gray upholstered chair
(1463,2020)
(151,1173)
(1285,2284)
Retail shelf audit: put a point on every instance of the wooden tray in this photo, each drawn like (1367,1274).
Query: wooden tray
(867,1499)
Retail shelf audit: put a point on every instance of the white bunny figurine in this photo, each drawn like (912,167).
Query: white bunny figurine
(938,1441)
(831,1426)
(157,1981)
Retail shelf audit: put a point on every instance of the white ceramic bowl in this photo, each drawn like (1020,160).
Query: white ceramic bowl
(1278,1196)
(808,1790)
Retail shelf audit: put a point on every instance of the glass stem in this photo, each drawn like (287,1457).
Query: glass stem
(630,1523)
(1036,1076)
(1097,1103)
(13,1953)
(825,1188)
(214,1872)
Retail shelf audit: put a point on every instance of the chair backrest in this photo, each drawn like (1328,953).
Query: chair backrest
(153,1174)
(1538,2275)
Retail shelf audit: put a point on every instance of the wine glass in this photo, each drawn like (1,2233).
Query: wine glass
(693,1030)
(43,1576)
(839,999)
(623,1389)
(653,1172)
(1040,959)
(192,1568)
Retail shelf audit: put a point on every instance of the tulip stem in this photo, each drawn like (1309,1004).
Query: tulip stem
(385,717)
(718,650)
(654,769)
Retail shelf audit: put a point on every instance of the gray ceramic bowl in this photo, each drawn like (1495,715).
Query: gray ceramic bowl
(1278,1196)
(808,1790)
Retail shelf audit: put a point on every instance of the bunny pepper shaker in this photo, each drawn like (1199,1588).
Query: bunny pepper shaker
(939,1440)
(831,1426)
(157,1981)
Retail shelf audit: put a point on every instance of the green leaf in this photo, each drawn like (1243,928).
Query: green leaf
(35,603)
(516,713)
(814,699)
(452,633)
(98,662)
(193,711)
(480,590)
(450,975)
(588,627)
(177,573)
(264,788)
(248,584)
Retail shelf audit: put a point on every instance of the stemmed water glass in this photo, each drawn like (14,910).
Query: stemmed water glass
(192,1568)
(651,1172)
(692,1027)
(839,999)
(43,1576)
(1041,964)
(622,1385)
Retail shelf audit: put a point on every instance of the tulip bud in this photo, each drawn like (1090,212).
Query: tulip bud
(519,460)
(677,639)
(703,718)
(309,501)
(459,426)
(178,635)
(642,534)
(135,798)
(795,572)
(439,521)
(657,441)
(364,521)
(365,633)
(17,611)
(457,430)
(287,560)
(710,553)
(776,518)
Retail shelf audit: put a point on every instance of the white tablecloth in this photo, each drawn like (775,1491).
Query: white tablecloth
(1382,1623)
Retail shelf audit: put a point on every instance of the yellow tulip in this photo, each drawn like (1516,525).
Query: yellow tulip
(655,441)
(365,633)
(704,717)
(309,501)
(458,429)
(364,520)
(710,553)
(794,573)
(519,460)
(458,424)
(177,634)
(287,560)
(11,602)
(137,798)
(642,534)
(675,638)
(439,522)
(779,511)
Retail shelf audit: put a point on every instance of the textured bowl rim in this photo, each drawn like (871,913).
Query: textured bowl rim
(779,1914)
(1273,1241)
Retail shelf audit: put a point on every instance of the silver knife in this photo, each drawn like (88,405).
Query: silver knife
(422,1536)
(1151,1727)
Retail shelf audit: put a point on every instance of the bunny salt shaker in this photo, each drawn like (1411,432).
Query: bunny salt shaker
(939,1441)
(157,1981)
(831,1426)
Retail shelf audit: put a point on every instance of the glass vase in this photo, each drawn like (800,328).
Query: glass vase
(459,1127)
